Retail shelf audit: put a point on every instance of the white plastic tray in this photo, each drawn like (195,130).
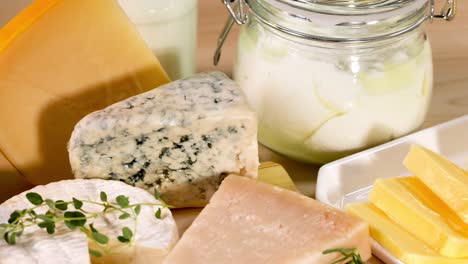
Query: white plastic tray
(350,179)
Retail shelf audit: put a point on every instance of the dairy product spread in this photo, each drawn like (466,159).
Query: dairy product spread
(318,103)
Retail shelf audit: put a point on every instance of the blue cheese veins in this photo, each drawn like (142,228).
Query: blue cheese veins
(180,139)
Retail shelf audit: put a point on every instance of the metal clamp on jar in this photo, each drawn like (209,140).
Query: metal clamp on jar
(329,78)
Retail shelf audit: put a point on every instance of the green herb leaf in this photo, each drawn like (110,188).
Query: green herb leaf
(45,218)
(50,204)
(5,236)
(123,239)
(77,204)
(74,219)
(158,214)
(103,196)
(350,255)
(61,205)
(122,201)
(34,198)
(124,216)
(50,214)
(127,233)
(157,194)
(137,209)
(43,224)
(100,238)
(14,216)
(91,226)
(57,212)
(10,238)
(95,253)
(50,228)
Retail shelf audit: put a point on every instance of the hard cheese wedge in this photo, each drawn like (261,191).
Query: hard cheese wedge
(417,209)
(444,178)
(269,172)
(60,60)
(152,241)
(396,240)
(248,221)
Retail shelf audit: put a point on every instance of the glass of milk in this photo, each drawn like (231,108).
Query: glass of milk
(169,28)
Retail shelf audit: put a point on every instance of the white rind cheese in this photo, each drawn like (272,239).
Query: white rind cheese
(179,139)
(153,239)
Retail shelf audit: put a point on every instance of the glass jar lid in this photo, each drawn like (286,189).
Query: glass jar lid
(342,20)
(345,21)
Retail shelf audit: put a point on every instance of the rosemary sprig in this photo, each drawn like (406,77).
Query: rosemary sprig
(72,214)
(350,255)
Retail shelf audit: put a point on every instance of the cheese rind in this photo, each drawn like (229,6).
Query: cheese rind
(70,59)
(23,21)
(248,221)
(408,202)
(443,177)
(179,139)
(396,240)
(153,239)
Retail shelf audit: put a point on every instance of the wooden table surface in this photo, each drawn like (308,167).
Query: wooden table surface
(450,97)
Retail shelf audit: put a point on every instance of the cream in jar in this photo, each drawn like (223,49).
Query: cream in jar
(317,102)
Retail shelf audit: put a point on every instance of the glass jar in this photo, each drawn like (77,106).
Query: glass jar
(169,28)
(329,78)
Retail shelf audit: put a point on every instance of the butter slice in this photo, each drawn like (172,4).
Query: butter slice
(396,240)
(444,178)
(409,203)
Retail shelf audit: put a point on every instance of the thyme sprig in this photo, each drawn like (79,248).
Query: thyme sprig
(350,255)
(72,214)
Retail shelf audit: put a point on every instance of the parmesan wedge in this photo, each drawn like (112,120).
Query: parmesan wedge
(248,221)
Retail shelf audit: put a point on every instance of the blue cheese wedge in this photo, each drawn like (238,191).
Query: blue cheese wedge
(180,139)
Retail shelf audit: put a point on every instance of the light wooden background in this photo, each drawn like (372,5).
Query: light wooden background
(450,100)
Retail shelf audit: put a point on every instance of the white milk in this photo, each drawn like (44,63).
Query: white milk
(169,28)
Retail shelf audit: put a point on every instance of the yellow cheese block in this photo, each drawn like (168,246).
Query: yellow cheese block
(275,174)
(59,61)
(444,178)
(409,203)
(397,240)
